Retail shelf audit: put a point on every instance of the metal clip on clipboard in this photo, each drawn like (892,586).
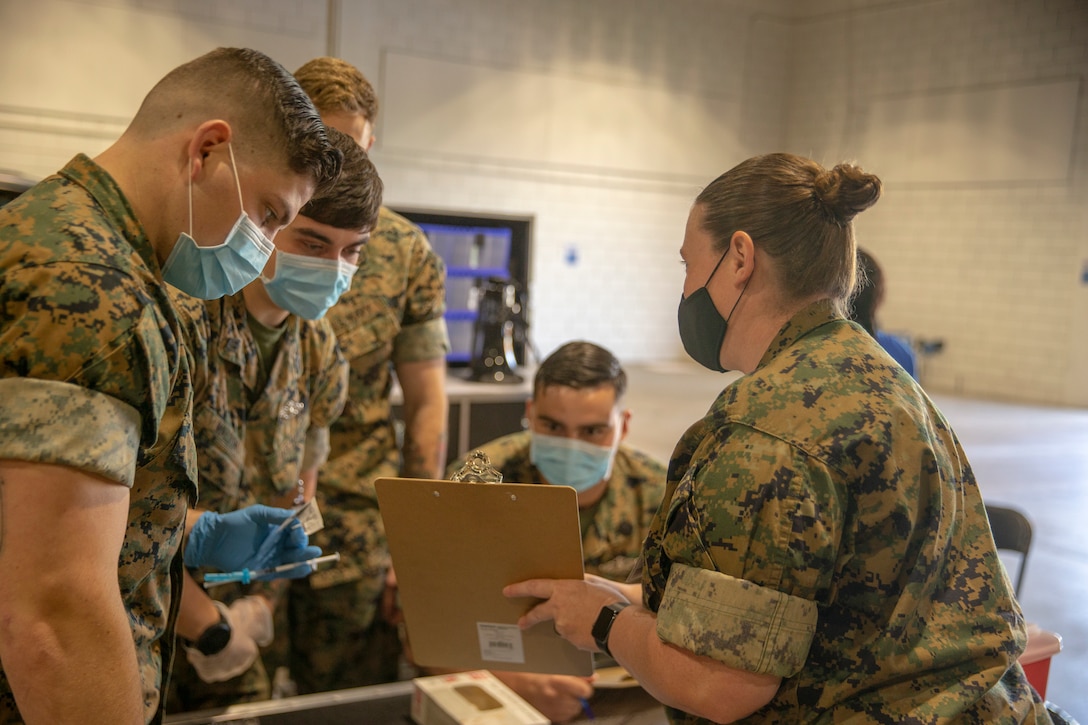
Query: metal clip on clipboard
(477,469)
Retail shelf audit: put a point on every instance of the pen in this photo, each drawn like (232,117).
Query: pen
(586,708)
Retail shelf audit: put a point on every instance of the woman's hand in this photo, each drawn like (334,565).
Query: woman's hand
(573,604)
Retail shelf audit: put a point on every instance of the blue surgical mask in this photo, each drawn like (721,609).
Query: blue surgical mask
(571,462)
(308,286)
(213,272)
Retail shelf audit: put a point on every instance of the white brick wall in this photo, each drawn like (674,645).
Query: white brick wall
(992,268)
(626,231)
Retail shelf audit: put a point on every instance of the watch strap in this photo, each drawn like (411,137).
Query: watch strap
(214,639)
(602,628)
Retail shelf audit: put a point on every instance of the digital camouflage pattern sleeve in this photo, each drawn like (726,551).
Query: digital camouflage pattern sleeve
(92,357)
(821,524)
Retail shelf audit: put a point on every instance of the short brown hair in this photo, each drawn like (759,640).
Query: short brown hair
(798,213)
(353,201)
(581,365)
(267,110)
(336,85)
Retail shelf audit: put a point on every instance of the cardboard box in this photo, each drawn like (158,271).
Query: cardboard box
(470,698)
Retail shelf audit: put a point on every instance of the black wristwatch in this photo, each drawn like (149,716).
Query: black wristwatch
(603,626)
(214,639)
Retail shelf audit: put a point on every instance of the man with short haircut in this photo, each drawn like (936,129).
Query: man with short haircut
(97,467)
(343,621)
(269,381)
(577,424)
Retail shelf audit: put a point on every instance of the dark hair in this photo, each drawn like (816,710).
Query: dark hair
(869,292)
(799,214)
(268,111)
(581,365)
(336,85)
(353,201)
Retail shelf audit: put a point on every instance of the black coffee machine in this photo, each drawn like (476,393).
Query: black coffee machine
(499,330)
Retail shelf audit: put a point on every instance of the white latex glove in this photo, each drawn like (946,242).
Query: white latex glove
(237,657)
(253,616)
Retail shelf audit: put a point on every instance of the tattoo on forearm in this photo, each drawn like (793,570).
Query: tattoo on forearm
(424,464)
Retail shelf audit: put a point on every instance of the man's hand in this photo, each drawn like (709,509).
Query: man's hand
(250,538)
(572,603)
(558,697)
(390,607)
(237,657)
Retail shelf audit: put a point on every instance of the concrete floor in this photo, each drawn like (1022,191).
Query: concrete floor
(1031,458)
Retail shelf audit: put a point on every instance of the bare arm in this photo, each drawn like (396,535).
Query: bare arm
(309,488)
(197,612)
(557,697)
(682,679)
(426,410)
(65,639)
(676,677)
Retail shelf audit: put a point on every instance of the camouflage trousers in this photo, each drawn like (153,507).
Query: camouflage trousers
(187,692)
(336,635)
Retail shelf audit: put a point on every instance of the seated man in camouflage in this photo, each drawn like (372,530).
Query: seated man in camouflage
(575,436)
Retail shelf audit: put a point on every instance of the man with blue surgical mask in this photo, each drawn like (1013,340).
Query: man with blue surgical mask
(97,468)
(269,379)
(577,424)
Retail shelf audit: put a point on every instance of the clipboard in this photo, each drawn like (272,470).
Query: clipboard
(454,547)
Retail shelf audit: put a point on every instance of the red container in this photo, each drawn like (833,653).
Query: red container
(1042,645)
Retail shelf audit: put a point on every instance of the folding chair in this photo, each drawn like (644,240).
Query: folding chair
(1012,532)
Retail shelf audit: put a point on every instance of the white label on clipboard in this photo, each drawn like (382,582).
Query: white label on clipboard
(500,642)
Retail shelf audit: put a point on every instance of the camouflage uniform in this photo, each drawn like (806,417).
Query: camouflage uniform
(612,542)
(821,524)
(95,376)
(392,313)
(253,441)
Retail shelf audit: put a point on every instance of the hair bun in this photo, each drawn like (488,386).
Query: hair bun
(846,190)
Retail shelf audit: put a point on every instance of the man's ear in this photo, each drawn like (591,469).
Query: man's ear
(625,423)
(206,138)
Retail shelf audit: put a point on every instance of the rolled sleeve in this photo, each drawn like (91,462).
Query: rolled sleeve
(426,340)
(47,421)
(736,622)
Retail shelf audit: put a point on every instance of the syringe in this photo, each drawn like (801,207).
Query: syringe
(245,576)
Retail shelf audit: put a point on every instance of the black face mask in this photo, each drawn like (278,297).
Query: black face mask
(702,328)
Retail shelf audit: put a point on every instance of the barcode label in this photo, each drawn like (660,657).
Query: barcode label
(500,642)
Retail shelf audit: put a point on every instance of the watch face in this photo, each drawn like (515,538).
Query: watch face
(214,639)
(602,626)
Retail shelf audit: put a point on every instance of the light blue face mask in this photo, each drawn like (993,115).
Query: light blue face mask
(569,461)
(308,286)
(212,272)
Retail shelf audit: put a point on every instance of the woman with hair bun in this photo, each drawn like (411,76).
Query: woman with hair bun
(822,553)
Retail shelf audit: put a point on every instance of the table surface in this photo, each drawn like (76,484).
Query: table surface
(460,389)
(390,704)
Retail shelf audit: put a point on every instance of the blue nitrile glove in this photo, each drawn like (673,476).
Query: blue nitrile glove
(247,539)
